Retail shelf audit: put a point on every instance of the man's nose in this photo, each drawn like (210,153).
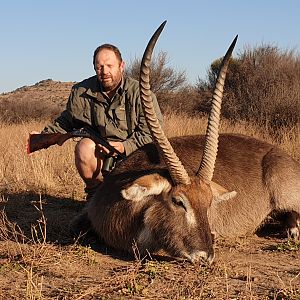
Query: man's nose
(104,70)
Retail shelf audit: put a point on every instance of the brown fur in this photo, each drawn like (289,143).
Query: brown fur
(154,222)
(264,177)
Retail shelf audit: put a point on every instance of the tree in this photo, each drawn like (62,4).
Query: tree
(262,86)
(162,78)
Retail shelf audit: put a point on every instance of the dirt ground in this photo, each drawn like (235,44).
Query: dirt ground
(40,259)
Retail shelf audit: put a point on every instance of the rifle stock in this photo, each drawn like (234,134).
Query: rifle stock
(44,140)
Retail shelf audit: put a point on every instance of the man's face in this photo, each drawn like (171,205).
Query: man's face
(109,69)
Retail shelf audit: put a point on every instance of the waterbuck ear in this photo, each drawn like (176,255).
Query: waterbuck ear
(147,185)
(220,193)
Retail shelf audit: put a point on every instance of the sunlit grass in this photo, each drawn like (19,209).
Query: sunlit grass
(44,171)
(52,172)
(179,125)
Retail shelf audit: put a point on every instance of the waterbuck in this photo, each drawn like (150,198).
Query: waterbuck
(158,200)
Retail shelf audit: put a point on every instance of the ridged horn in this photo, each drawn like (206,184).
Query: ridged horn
(174,165)
(207,165)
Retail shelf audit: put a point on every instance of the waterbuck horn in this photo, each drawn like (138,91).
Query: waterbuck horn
(174,165)
(207,164)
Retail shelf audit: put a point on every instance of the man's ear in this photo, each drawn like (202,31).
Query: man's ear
(122,66)
(220,193)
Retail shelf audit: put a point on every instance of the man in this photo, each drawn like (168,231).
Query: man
(110,103)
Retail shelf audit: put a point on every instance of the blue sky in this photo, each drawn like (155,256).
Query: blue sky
(56,39)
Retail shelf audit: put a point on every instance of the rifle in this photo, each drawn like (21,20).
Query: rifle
(44,140)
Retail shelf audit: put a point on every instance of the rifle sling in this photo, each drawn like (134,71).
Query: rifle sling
(128,114)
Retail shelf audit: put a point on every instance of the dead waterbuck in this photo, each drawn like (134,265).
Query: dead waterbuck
(162,200)
(150,198)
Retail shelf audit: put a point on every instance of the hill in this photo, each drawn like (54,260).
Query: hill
(43,100)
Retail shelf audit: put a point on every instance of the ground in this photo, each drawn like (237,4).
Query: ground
(40,259)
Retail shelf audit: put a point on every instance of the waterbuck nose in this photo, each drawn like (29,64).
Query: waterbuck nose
(197,256)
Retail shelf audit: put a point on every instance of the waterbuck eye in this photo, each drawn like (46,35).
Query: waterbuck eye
(178,202)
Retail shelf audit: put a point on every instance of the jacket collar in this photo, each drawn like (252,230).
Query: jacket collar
(94,87)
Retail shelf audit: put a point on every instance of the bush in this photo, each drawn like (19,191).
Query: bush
(167,83)
(262,86)
(162,78)
(13,112)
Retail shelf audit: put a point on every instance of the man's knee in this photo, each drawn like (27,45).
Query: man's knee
(85,150)
(88,160)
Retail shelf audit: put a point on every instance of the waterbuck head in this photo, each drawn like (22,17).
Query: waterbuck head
(177,220)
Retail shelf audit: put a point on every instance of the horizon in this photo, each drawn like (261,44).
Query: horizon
(56,40)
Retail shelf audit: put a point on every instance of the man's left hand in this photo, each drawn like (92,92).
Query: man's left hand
(118,146)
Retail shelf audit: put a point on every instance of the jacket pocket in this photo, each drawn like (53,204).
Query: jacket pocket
(119,115)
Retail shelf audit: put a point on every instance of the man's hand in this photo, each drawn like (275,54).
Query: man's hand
(117,145)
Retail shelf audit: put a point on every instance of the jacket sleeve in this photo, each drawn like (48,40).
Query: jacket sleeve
(66,121)
(141,133)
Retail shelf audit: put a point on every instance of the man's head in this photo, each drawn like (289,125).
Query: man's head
(109,66)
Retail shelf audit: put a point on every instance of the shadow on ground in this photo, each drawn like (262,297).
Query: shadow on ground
(273,227)
(29,210)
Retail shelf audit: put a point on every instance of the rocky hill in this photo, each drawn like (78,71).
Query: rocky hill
(43,100)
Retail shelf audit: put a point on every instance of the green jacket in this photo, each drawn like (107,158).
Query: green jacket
(88,105)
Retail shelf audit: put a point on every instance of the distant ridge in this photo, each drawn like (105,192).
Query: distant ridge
(43,100)
(46,90)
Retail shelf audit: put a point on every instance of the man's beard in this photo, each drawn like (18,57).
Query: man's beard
(111,85)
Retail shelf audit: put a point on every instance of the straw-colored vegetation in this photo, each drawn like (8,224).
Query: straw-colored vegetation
(39,259)
(46,171)
(53,169)
(181,124)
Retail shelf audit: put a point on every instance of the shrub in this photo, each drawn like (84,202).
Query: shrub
(167,83)
(262,86)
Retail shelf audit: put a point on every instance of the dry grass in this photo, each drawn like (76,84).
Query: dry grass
(39,259)
(179,125)
(47,171)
